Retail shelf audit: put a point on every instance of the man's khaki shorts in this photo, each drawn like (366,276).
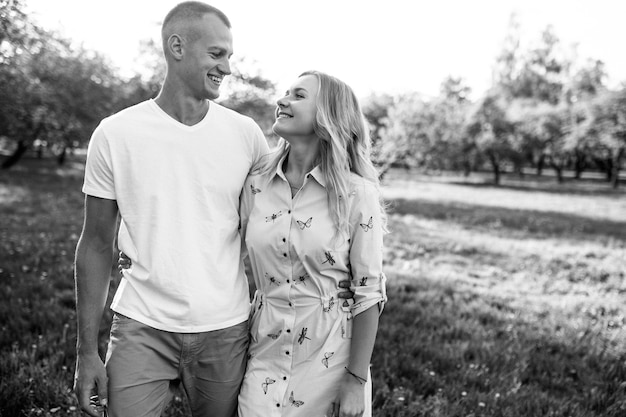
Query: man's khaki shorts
(145,366)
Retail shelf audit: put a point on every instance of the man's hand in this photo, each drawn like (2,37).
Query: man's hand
(90,376)
(347,293)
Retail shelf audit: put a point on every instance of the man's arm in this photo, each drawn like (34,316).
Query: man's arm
(92,275)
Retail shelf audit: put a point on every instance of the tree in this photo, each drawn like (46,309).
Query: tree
(586,84)
(66,94)
(608,125)
(16,91)
(50,90)
(375,108)
(452,147)
(492,131)
(403,139)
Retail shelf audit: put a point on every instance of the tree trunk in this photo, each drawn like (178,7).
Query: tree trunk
(540,164)
(609,169)
(518,167)
(467,168)
(496,168)
(22,147)
(579,164)
(559,173)
(62,155)
(558,169)
(616,168)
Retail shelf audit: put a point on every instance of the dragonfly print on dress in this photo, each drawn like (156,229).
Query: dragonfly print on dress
(272,279)
(302,336)
(331,304)
(301,279)
(329,258)
(273,217)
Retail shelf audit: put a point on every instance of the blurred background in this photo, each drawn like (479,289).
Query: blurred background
(499,129)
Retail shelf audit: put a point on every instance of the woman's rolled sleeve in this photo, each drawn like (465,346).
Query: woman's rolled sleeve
(366,249)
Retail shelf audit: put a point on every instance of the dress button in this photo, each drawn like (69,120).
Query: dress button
(284,240)
(285,255)
(288,211)
(277,405)
(288,330)
(287,352)
(287,281)
(284,378)
(290,305)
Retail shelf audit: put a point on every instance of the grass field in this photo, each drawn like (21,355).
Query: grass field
(503,301)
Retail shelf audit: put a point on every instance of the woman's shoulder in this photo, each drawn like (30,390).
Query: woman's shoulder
(256,183)
(360,185)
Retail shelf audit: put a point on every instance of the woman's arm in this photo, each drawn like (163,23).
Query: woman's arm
(364,331)
(368,283)
(350,400)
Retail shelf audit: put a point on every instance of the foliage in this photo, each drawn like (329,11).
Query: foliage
(57,93)
(608,126)
(248,92)
(543,109)
(492,131)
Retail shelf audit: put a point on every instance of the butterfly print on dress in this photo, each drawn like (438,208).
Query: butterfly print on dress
(295,403)
(303,336)
(304,225)
(274,336)
(254,189)
(367,227)
(273,217)
(329,258)
(327,356)
(272,280)
(266,384)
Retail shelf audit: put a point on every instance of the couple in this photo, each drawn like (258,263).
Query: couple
(188,178)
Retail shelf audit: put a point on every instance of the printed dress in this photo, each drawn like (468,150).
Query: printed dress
(300,330)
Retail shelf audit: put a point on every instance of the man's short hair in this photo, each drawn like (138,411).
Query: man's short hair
(188,10)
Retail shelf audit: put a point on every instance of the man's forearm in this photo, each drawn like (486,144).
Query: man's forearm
(93,270)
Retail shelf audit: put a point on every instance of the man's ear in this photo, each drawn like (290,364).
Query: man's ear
(175,46)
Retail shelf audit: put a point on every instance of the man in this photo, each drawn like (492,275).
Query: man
(173,168)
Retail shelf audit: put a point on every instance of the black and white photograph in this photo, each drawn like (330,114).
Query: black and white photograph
(331,208)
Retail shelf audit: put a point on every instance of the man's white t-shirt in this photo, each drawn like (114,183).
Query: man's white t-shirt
(177,188)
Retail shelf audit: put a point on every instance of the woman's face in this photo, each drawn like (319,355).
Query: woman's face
(296,111)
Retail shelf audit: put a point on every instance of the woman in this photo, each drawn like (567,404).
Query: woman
(311,218)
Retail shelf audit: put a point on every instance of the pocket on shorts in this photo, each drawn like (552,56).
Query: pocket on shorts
(120,320)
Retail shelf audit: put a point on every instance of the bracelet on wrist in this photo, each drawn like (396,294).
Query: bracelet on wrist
(358,378)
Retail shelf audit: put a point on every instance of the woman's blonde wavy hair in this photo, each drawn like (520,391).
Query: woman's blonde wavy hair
(344,145)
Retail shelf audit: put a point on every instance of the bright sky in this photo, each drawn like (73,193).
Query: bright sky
(390,46)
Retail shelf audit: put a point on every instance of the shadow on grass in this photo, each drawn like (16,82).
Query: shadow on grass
(580,187)
(442,350)
(530,223)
